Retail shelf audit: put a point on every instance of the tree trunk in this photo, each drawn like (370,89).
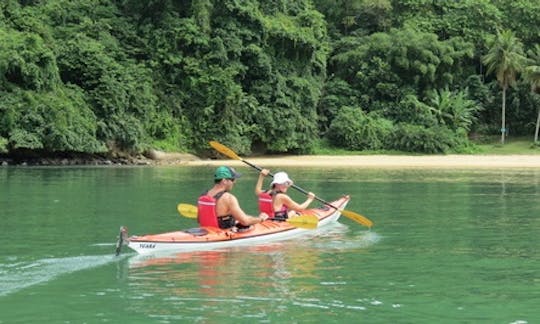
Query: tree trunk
(537,126)
(503,117)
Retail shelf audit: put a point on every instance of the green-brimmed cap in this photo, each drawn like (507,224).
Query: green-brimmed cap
(225,172)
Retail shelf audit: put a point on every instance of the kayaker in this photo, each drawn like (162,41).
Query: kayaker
(219,208)
(275,200)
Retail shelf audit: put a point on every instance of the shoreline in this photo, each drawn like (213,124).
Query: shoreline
(383,161)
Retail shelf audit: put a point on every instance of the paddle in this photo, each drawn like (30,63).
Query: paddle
(301,221)
(187,210)
(347,213)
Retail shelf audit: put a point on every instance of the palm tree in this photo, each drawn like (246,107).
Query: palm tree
(453,108)
(505,57)
(532,74)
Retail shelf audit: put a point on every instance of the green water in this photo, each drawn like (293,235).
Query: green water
(447,247)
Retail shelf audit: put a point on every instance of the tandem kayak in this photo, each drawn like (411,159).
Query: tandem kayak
(210,238)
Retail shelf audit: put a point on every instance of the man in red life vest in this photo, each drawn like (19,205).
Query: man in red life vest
(219,208)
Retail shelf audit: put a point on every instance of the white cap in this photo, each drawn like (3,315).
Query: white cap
(282,178)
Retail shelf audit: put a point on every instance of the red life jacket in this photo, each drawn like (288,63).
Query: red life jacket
(265,204)
(207,215)
(206,209)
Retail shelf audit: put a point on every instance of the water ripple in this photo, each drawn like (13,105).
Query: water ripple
(19,275)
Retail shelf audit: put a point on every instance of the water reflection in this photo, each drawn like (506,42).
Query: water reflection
(212,282)
(264,281)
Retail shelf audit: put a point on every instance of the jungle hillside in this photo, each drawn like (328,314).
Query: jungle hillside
(266,76)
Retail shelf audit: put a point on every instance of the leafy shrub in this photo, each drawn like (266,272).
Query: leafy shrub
(354,129)
(453,109)
(59,120)
(337,93)
(415,138)
(26,61)
(411,110)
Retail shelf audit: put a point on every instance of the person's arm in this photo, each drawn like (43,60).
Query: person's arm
(292,205)
(309,200)
(259,185)
(240,215)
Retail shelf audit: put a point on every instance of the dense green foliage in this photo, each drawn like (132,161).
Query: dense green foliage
(98,76)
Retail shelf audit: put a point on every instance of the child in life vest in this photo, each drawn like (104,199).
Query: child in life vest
(275,202)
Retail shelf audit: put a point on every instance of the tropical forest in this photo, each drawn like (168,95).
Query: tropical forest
(266,76)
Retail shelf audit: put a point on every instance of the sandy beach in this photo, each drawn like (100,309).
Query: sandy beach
(370,161)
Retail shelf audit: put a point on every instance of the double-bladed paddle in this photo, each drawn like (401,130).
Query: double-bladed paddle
(347,213)
(301,221)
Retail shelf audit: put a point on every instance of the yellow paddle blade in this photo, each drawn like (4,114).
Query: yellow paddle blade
(357,218)
(187,210)
(224,150)
(304,221)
